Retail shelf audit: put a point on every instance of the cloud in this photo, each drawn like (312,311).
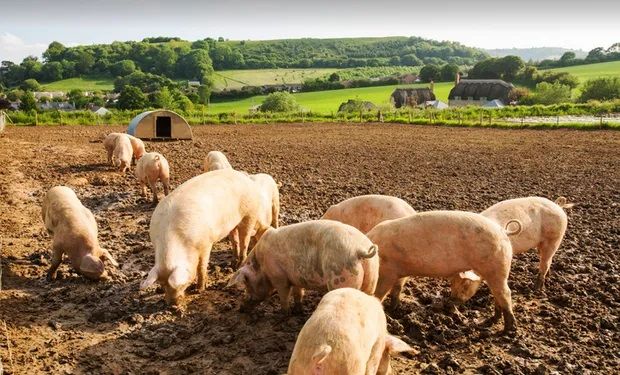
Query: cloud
(13,48)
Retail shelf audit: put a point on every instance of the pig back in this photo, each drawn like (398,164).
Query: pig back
(313,252)
(438,243)
(540,218)
(63,212)
(353,321)
(205,208)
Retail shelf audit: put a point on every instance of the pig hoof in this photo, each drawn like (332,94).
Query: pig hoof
(50,277)
(509,330)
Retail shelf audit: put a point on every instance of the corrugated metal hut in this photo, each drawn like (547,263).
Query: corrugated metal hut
(159,124)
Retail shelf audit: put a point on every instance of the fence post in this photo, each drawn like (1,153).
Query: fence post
(481,114)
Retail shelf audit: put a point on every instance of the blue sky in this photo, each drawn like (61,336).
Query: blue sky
(28,26)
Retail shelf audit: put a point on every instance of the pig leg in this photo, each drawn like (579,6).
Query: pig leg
(395,293)
(384,285)
(298,295)
(143,188)
(503,302)
(233,237)
(56,261)
(245,234)
(203,264)
(110,151)
(546,251)
(166,183)
(153,187)
(284,293)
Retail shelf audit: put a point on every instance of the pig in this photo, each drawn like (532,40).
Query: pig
(216,160)
(137,145)
(318,254)
(186,223)
(443,244)
(74,232)
(346,334)
(121,157)
(366,211)
(544,224)
(152,167)
(108,142)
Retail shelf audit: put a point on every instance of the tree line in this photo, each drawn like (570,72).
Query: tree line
(596,55)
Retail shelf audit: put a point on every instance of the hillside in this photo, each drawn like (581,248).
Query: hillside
(535,54)
(329,101)
(591,71)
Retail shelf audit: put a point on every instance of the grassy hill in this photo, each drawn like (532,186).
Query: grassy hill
(591,71)
(329,101)
(84,84)
(235,79)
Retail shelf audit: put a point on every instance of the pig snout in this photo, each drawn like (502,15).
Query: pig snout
(464,286)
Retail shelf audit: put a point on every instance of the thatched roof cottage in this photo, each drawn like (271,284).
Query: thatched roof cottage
(479,92)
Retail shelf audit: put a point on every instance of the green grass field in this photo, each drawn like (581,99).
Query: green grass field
(591,71)
(235,79)
(84,84)
(328,101)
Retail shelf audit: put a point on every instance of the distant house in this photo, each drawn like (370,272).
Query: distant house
(412,97)
(193,83)
(407,79)
(38,95)
(479,92)
(437,104)
(58,106)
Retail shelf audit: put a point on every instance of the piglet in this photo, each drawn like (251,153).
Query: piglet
(74,232)
(320,255)
(346,334)
(153,167)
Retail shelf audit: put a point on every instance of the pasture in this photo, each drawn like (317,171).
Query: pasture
(82,83)
(235,79)
(73,325)
(592,71)
(327,102)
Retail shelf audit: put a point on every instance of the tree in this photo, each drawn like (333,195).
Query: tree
(551,93)
(430,73)
(509,66)
(279,102)
(195,64)
(28,103)
(567,57)
(123,68)
(449,72)
(55,52)
(52,71)
(30,84)
(131,98)
(334,77)
(83,62)
(601,89)
(597,54)
(163,99)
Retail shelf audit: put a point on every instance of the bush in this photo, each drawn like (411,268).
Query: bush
(430,73)
(30,85)
(279,102)
(551,93)
(601,89)
(132,98)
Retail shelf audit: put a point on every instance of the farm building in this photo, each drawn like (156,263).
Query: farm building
(159,124)
(479,92)
(412,97)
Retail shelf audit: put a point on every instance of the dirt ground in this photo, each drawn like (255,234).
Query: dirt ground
(77,326)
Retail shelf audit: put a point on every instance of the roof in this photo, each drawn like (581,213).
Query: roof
(481,88)
(412,96)
(131,129)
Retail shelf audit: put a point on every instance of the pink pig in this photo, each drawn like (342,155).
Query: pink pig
(153,167)
(318,255)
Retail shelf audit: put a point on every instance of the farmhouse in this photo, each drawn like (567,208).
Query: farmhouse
(412,97)
(159,124)
(479,92)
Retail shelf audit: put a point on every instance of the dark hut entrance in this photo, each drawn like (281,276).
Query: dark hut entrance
(163,127)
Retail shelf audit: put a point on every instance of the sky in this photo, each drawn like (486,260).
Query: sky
(28,26)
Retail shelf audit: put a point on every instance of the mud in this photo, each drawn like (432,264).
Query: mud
(74,326)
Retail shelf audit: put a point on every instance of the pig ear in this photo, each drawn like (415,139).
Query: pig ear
(150,278)
(90,264)
(178,278)
(238,278)
(469,275)
(396,346)
(107,256)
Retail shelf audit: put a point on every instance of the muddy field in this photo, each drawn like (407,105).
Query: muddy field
(76,326)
